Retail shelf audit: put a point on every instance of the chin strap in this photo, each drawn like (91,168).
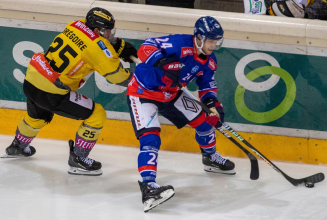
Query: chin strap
(199,48)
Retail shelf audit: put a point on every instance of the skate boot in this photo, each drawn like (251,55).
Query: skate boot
(217,164)
(82,166)
(153,194)
(14,151)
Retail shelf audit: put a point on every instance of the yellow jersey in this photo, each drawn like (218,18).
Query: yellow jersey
(73,54)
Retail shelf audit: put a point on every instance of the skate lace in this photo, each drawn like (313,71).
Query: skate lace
(87,160)
(217,158)
(154,185)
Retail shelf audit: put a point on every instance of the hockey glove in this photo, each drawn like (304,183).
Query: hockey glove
(217,115)
(125,50)
(171,68)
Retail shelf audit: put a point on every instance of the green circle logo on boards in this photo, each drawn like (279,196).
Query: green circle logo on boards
(246,83)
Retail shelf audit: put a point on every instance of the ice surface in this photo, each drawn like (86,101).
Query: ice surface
(39,188)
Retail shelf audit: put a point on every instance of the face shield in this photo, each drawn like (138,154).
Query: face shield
(219,43)
(108,33)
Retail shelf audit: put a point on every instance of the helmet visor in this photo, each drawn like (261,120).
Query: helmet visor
(219,43)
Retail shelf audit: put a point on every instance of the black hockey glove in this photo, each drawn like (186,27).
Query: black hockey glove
(171,68)
(125,50)
(216,107)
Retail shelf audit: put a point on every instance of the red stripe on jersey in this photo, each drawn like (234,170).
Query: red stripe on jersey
(151,132)
(41,65)
(199,120)
(85,29)
(145,51)
(148,167)
(209,145)
(202,93)
(161,96)
(212,64)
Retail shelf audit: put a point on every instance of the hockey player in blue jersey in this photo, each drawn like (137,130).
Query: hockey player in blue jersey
(169,62)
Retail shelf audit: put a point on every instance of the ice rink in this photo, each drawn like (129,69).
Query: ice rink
(39,188)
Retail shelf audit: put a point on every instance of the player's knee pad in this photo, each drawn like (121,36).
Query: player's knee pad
(148,157)
(97,118)
(206,137)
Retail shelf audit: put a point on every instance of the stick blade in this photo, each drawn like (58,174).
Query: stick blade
(316,178)
(254,175)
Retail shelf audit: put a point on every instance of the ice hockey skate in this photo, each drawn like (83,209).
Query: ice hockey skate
(14,151)
(217,164)
(153,194)
(82,166)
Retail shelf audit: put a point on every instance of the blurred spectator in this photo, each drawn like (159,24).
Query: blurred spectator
(317,9)
(257,7)
(313,9)
(172,3)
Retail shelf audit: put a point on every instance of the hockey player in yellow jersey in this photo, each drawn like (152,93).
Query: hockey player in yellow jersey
(51,81)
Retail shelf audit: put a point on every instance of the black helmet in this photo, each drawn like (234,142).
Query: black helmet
(99,18)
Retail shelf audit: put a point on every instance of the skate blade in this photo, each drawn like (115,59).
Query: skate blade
(12,156)
(217,170)
(79,171)
(152,203)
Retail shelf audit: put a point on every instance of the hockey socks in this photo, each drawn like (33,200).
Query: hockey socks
(86,137)
(148,157)
(206,137)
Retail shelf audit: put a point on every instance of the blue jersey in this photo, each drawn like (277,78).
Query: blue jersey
(147,80)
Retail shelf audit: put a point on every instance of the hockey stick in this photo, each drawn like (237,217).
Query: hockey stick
(254,174)
(316,178)
(312,179)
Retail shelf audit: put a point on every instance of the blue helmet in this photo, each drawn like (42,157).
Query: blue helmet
(208,27)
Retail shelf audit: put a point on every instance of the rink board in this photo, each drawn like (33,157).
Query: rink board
(273,85)
(115,132)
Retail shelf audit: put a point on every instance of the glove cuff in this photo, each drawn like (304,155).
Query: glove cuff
(210,102)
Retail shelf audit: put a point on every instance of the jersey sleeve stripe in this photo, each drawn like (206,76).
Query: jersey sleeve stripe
(116,71)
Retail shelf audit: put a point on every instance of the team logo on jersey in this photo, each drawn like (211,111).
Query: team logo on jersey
(213,84)
(186,51)
(148,50)
(187,77)
(212,64)
(167,95)
(200,73)
(195,69)
(87,31)
(104,48)
(77,67)
(39,62)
